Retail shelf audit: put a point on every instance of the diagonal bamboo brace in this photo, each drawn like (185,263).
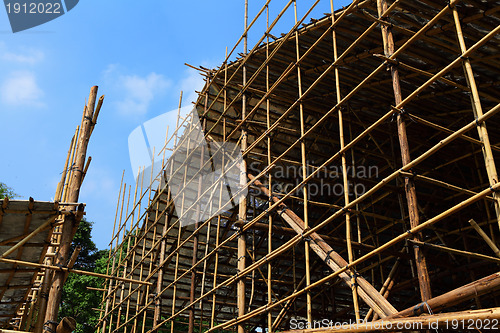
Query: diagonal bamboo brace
(366,291)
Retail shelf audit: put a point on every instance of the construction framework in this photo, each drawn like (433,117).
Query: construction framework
(370,171)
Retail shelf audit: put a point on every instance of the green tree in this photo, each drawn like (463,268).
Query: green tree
(78,301)
(6,191)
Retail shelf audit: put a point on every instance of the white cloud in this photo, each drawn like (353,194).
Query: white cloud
(21,89)
(191,83)
(29,56)
(99,182)
(138,91)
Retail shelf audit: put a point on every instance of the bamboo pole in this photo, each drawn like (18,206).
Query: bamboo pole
(270,181)
(71,270)
(194,258)
(161,272)
(103,314)
(242,209)
(119,207)
(60,185)
(411,192)
(304,170)
(122,286)
(72,260)
(483,235)
(354,288)
(477,110)
(69,171)
(129,241)
(43,300)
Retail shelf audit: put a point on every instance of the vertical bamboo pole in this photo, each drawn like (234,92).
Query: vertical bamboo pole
(358,217)
(70,224)
(151,258)
(163,247)
(122,284)
(105,296)
(354,288)
(64,193)
(129,241)
(242,213)
(304,171)
(485,201)
(134,247)
(477,109)
(179,234)
(411,193)
(216,265)
(144,268)
(194,258)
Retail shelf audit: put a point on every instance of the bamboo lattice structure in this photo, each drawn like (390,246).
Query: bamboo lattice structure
(369,140)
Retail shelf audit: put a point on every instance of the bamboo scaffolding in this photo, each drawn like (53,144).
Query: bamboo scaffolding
(280,103)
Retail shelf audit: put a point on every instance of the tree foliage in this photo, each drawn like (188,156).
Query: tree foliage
(78,301)
(6,191)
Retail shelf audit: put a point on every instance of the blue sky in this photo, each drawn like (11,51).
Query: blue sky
(135,52)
